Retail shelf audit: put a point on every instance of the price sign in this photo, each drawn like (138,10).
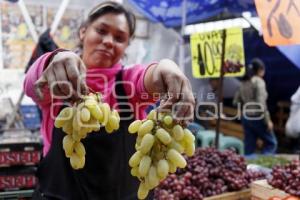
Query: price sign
(280,21)
(206,50)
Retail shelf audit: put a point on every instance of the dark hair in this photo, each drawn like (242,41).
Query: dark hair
(248,73)
(257,64)
(110,7)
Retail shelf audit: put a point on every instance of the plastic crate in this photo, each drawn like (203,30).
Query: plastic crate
(17,178)
(16,195)
(195,127)
(20,154)
(31,116)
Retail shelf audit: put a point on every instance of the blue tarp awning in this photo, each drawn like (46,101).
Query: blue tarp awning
(169,12)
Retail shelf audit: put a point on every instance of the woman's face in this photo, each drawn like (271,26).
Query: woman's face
(261,72)
(105,40)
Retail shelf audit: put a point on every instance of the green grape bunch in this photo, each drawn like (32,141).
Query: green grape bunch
(160,145)
(84,117)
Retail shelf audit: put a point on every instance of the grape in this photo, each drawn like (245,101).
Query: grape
(175,145)
(146,127)
(172,167)
(108,128)
(152,115)
(190,149)
(163,136)
(68,128)
(85,114)
(135,171)
(152,177)
(83,132)
(92,124)
(176,158)
(135,159)
(147,143)
(76,137)
(68,145)
(134,126)
(95,110)
(188,136)
(63,117)
(113,122)
(168,120)
(144,165)
(162,168)
(142,191)
(76,123)
(116,114)
(79,149)
(106,113)
(177,132)
(76,161)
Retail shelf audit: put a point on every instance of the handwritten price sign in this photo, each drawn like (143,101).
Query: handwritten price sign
(206,49)
(280,21)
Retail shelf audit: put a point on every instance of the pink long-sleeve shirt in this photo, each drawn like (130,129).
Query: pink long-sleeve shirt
(98,80)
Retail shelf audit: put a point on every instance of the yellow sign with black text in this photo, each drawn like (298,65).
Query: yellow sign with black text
(206,50)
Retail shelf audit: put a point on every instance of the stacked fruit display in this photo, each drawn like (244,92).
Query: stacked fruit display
(159,147)
(209,172)
(287,178)
(86,116)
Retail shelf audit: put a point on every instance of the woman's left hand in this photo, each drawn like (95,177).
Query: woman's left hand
(167,78)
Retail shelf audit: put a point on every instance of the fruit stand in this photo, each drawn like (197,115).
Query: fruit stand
(261,190)
(240,195)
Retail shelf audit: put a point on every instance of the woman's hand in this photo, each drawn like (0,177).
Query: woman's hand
(65,77)
(167,78)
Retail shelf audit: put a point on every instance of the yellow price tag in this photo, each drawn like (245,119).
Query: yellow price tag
(206,49)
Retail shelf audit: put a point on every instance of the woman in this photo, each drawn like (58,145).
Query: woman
(256,119)
(104,36)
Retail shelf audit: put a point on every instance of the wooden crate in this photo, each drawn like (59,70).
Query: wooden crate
(261,190)
(239,195)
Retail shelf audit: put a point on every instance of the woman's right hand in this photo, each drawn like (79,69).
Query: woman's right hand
(65,77)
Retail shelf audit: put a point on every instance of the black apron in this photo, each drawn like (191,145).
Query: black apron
(106,174)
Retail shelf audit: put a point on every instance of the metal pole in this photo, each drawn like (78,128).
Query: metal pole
(58,16)
(28,20)
(1,45)
(31,27)
(220,89)
(183,22)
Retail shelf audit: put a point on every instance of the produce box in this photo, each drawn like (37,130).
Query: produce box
(30,116)
(17,178)
(261,190)
(19,148)
(19,154)
(239,195)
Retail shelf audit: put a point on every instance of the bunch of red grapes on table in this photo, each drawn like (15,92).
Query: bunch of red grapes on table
(209,172)
(287,178)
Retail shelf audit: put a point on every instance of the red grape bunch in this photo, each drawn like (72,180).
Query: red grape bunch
(287,178)
(209,172)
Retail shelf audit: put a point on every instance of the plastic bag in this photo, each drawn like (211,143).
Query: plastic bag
(292,127)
